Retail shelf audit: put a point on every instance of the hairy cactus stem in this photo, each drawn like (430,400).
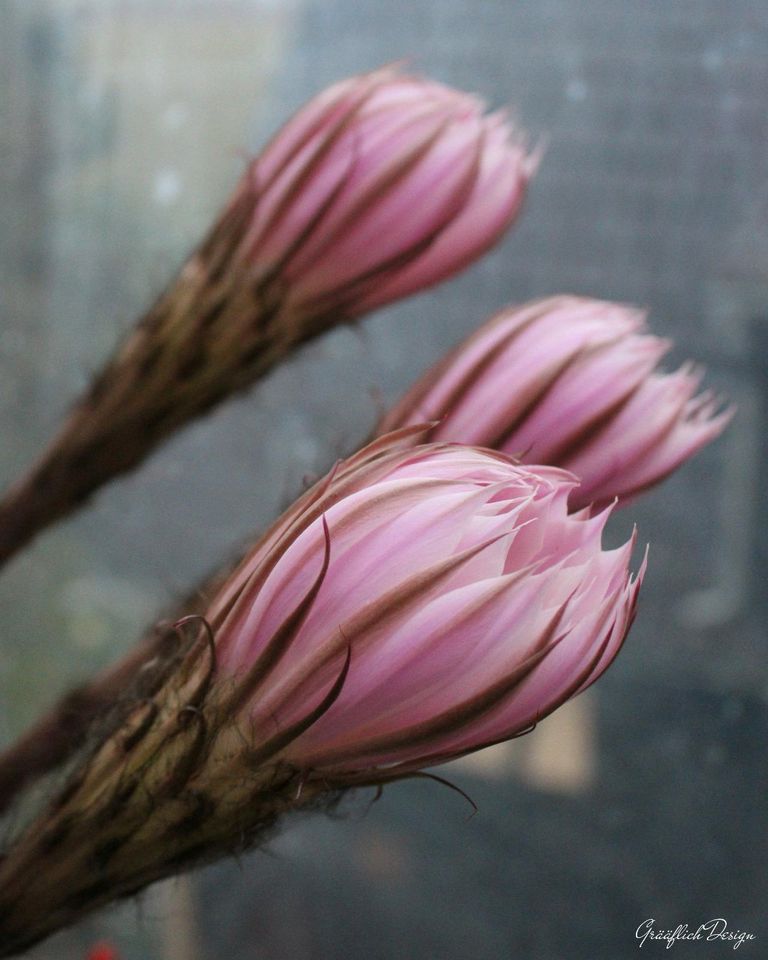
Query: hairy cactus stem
(171,787)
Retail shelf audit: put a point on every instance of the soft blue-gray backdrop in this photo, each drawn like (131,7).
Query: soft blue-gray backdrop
(123,124)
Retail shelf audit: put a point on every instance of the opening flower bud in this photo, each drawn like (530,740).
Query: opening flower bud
(419,603)
(451,586)
(570,382)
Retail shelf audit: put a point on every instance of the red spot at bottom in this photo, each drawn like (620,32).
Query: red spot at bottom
(103,951)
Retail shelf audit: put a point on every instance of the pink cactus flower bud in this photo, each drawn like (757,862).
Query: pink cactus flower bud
(570,382)
(420,604)
(380,186)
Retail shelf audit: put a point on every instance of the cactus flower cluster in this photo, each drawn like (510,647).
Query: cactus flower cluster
(444,588)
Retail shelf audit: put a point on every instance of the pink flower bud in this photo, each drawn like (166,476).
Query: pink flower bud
(570,382)
(380,186)
(420,603)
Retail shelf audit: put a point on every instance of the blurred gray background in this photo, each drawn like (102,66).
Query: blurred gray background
(123,125)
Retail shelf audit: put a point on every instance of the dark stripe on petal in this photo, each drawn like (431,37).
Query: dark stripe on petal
(427,732)
(282,739)
(281,639)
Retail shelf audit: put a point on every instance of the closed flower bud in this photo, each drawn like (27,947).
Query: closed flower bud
(382,185)
(420,603)
(573,383)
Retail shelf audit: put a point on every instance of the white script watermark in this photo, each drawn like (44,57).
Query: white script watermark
(712,930)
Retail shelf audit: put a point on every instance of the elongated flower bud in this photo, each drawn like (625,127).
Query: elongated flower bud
(419,603)
(570,382)
(380,186)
